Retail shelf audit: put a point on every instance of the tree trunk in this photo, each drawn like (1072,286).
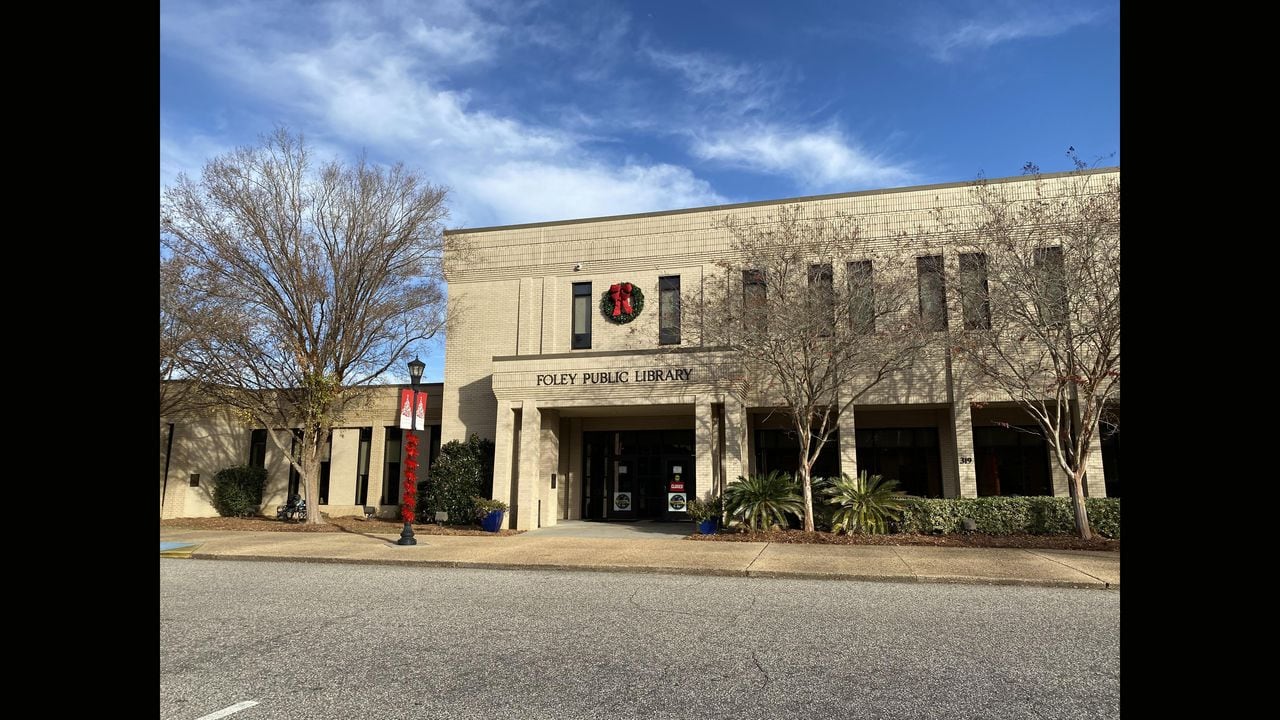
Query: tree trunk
(1077,504)
(311,475)
(808,497)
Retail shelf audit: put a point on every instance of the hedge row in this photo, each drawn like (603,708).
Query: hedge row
(1009,515)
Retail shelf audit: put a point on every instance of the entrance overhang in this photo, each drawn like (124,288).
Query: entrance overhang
(614,378)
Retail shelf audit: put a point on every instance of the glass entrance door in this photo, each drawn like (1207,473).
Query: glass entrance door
(678,486)
(627,475)
(597,472)
(627,490)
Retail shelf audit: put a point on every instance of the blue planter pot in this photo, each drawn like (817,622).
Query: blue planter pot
(708,527)
(493,521)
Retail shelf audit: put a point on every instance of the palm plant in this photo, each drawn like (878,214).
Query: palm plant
(760,501)
(822,511)
(865,504)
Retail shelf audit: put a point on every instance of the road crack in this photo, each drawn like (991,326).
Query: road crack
(760,667)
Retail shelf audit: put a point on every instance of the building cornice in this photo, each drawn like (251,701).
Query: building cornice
(783,201)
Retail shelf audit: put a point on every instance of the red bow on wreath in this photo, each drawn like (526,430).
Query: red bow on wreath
(621,295)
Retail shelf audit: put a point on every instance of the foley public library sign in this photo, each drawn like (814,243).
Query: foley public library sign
(616,377)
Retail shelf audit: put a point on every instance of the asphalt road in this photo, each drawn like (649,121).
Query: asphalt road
(348,641)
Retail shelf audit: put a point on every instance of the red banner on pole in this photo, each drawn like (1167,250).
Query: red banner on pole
(406,409)
(420,419)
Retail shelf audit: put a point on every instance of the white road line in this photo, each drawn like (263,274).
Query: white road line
(230,710)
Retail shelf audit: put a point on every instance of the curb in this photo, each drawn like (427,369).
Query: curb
(650,570)
(184,552)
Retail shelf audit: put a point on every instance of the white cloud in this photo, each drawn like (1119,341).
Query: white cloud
(818,160)
(182,152)
(460,47)
(947,38)
(373,89)
(748,87)
(702,73)
(353,78)
(537,191)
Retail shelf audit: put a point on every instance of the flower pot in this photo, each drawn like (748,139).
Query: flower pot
(493,521)
(708,527)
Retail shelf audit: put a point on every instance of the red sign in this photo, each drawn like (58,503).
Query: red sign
(420,422)
(677,486)
(406,409)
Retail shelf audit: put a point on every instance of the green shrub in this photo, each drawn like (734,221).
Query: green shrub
(483,506)
(710,508)
(761,501)
(863,504)
(1104,516)
(461,472)
(237,491)
(1009,515)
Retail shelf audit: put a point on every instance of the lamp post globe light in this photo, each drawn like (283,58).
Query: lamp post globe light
(409,504)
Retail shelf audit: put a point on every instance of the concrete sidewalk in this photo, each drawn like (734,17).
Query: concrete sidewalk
(536,551)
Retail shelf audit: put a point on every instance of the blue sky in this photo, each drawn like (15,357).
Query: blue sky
(533,111)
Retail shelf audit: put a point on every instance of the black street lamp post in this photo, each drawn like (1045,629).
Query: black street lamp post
(409,503)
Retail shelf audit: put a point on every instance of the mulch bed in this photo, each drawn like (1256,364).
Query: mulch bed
(1042,542)
(339,524)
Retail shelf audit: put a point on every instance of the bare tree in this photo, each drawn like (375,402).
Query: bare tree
(1040,294)
(307,284)
(175,336)
(811,319)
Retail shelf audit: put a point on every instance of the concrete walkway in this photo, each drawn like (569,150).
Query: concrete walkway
(638,530)
(547,550)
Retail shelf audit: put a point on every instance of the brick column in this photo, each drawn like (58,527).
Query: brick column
(735,441)
(503,445)
(343,456)
(704,433)
(848,444)
(377,465)
(1095,477)
(962,428)
(549,462)
(530,459)
(1059,477)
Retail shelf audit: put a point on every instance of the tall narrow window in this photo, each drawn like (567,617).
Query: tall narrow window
(391,472)
(326,463)
(295,449)
(362,466)
(581,315)
(862,298)
(258,449)
(755,310)
(1051,290)
(933,292)
(822,299)
(974,296)
(669,310)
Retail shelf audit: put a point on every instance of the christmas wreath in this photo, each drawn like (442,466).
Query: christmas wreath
(622,302)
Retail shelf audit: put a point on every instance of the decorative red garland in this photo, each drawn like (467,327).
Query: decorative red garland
(410,501)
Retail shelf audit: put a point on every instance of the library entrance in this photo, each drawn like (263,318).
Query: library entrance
(637,474)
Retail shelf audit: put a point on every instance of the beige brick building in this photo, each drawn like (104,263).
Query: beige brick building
(594,419)
(598,420)
(362,464)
